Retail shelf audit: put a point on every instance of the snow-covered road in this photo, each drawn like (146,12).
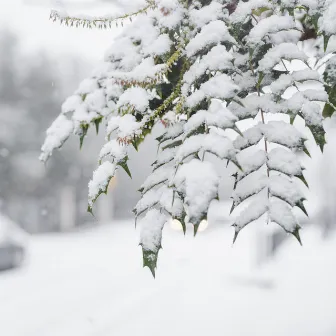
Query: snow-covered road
(92,284)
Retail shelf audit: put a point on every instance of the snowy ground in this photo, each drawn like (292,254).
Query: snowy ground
(92,284)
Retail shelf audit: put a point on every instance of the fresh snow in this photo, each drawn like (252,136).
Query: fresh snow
(92,283)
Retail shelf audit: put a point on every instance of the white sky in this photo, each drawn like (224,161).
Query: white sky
(30,19)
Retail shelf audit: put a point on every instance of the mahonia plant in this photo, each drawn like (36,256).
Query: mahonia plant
(202,68)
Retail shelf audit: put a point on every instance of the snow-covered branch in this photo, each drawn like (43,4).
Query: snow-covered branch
(202,68)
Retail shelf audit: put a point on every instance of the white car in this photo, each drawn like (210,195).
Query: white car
(12,244)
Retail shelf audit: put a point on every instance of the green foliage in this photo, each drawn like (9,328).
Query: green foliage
(330,87)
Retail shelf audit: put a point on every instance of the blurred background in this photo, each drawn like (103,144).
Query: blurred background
(64,272)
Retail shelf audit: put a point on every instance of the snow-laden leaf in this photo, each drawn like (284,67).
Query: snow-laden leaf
(257,208)
(95,101)
(170,13)
(72,103)
(173,144)
(171,133)
(250,162)
(286,36)
(87,86)
(217,59)
(284,161)
(245,9)
(57,134)
(113,150)
(216,116)
(220,87)
(304,104)
(126,126)
(287,51)
(285,81)
(198,182)
(172,203)
(301,97)
(164,198)
(116,151)
(270,25)
(251,185)
(330,87)
(147,201)
(150,237)
(83,117)
(159,47)
(312,114)
(213,143)
(158,176)
(212,12)
(143,73)
(328,24)
(330,71)
(100,181)
(281,214)
(281,133)
(136,98)
(252,104)
(211,34)
(250,137)
(165,157)
(287,190)
(319,135)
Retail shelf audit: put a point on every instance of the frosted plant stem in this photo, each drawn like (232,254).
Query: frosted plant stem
(324,61)
(263,121)
(261,112)
(283,63)
(266,150)
(254,18)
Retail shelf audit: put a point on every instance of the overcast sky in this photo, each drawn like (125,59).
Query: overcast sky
(30,19)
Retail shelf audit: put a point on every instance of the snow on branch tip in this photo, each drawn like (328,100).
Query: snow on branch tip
(101,22)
